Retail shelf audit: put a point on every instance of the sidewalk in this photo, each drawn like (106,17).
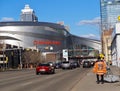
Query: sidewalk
(17,69)
(88,83)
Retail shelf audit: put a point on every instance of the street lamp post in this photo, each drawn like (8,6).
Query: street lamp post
(20,58)
(4,64)
(3,59)
(20,55)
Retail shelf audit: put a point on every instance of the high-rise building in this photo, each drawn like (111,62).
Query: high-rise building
(28,14)
(110,10)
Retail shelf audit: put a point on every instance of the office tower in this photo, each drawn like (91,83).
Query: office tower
(28,14)
(110,10)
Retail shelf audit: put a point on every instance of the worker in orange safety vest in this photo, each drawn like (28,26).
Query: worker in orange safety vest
(99,69)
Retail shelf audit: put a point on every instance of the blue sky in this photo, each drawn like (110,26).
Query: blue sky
(82,16)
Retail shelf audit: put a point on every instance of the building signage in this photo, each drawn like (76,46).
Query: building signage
(65,54)
(46,42)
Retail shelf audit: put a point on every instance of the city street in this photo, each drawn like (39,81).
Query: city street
(27,80)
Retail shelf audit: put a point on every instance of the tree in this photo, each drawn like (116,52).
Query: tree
(31,58)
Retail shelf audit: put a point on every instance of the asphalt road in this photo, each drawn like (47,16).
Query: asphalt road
(27,80)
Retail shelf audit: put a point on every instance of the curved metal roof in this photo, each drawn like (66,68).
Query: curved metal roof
(28,23)
(83,38)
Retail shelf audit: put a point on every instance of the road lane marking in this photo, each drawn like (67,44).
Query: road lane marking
(27,83)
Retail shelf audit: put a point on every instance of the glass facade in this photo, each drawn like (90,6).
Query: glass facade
(110,10)
(83,47)
(28,14)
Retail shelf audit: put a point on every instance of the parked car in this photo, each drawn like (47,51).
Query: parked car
(92,63)
(66,65)
(52,63)
(86,64)
(58,65)
(44,68)
(75,64)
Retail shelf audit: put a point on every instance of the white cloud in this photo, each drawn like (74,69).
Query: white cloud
(92,36)
(7,19)
(95,21)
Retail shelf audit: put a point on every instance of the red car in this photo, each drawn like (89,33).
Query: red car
(44,68)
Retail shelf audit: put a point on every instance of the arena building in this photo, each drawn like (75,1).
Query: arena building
(43,36)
